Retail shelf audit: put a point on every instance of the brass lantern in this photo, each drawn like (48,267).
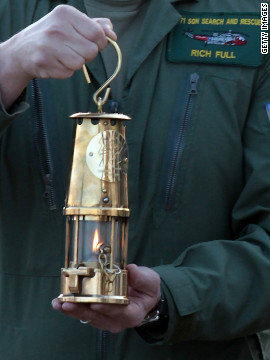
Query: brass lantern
(96,208)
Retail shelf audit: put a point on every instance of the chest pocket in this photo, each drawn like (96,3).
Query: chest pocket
(202,162)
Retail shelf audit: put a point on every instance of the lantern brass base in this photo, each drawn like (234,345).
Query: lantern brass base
(120,300)
(89,285)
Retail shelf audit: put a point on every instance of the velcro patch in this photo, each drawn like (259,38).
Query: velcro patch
(223,38)
(268,110)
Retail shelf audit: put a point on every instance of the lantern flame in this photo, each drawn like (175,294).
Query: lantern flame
(96,243)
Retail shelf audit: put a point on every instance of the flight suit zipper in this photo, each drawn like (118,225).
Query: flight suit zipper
(179,141)
(103,341)
(42,144)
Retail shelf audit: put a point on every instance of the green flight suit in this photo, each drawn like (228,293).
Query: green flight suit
(199,188)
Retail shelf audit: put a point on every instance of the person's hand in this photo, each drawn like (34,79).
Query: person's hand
(60,43)
(55,46)
(143,293)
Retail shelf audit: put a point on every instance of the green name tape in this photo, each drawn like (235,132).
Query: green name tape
(232,39)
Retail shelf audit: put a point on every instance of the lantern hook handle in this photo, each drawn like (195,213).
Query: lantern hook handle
(97,99)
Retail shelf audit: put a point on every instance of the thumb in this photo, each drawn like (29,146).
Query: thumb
(143,279)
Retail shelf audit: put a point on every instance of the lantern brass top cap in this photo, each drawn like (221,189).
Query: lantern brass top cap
(103,115)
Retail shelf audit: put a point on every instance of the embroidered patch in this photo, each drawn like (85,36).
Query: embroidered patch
(232,39)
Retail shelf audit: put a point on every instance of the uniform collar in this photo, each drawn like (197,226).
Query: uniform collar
(160,18)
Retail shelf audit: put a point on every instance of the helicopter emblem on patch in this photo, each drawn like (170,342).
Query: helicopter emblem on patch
(222,38)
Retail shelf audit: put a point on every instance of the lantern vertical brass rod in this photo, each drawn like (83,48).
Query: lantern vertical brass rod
(76,243)
(112,242)
(67,243)
(124,236)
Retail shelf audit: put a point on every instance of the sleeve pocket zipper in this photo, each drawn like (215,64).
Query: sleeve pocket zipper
(42,144)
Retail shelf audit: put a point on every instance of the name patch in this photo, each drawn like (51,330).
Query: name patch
(232,39)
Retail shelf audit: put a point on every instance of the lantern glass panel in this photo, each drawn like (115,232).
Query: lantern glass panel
(88,238)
